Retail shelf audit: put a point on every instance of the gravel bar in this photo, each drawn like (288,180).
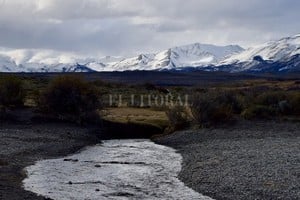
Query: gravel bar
(22,145)
(250,160)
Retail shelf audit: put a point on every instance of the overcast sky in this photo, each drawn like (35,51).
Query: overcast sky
(127,27)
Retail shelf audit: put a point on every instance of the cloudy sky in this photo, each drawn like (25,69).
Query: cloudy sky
(127,27)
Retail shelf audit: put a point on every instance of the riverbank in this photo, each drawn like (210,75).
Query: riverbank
(251,160)
(22,145)
(27,137)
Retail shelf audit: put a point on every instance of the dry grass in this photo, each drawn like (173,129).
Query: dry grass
(247,92)
(136,115)
(283,85)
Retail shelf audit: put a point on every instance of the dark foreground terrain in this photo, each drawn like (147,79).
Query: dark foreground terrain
(21,145)
(252,160)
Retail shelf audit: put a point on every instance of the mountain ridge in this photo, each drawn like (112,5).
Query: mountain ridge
(281,55)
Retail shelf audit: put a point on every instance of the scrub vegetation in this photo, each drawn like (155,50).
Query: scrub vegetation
(79,99)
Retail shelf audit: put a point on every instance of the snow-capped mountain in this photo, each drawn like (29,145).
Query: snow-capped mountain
(193,55)
(276,56)
(36,60)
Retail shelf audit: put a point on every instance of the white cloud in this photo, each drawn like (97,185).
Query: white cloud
(129,26)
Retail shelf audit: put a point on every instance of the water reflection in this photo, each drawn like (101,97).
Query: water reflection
(115,169)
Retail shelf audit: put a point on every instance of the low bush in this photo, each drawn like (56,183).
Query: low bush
(69,96)
(271,98)
(214,107)
(294,102)
(12,93)
(234,99)
(284,102)
(178,117)
(259,112)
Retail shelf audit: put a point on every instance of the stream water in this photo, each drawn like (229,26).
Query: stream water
(114,169)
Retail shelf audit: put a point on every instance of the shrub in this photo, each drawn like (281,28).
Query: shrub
(259,112)
(294,101)
(284,107)
(178,117)
(69,95)
(213,107)
(12,93)
(271,98)
(233,99)
(285,102)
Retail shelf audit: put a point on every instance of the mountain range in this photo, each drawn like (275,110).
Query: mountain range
(280,56)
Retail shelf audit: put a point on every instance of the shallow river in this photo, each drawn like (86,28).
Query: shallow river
(115,169)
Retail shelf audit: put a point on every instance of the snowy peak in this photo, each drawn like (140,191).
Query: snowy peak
(193,55)
(196,55)
(282,55)
(274,50)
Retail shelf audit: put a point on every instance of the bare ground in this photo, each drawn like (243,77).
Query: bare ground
(21,145)
(251,160)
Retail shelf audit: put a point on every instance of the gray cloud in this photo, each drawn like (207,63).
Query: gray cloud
(115,27)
